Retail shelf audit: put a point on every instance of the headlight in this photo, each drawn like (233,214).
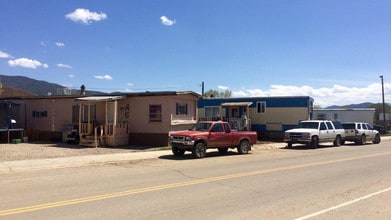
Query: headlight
(306,135)
(187,138)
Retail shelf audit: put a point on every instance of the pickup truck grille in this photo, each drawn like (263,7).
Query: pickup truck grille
(295,135)
(178,138)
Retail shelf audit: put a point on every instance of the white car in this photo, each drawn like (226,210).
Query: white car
(360,133)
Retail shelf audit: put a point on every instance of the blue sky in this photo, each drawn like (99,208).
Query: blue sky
(332,50)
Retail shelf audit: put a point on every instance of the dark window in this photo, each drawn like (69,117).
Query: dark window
(323,126)
(227,128)
(364,126)
(75,114)
(261,107)
(181,108)
(330,127)
(217,128)
(155,113)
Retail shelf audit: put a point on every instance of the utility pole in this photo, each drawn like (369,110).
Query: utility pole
(203,88)
(384,105)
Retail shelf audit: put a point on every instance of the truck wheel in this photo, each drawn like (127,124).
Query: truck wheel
(178,152)
(244,147)
(199,150)
(223,150)
(363,140)
(377,139)
(337,141)
(314,142)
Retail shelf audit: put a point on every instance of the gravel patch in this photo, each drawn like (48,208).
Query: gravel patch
(44,150)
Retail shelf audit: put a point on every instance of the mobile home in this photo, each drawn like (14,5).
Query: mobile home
(269,116)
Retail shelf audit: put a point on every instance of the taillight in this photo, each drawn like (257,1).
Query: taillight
(355,131)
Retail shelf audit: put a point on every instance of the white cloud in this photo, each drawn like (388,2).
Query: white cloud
(27,63)
(64,66)
(105,77)
(130,84)
(4,55)
(85,16)
(223,87)
(336,95)
(167,21)
(71,75)
(60,44)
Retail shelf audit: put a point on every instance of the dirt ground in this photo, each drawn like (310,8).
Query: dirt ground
(44,150)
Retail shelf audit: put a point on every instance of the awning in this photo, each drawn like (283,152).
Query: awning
(99,98)
(231,104)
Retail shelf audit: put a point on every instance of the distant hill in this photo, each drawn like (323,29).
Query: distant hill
(361,105)
(39,87)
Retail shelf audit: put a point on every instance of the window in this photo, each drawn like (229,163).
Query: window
(212,112)
(329,125)
(261,107)
(217,128)
(155,113)
(181,108)
(75,113)
(321,117)
(84,113)
(335,116)
(40,114)
(364,126)
(227,128)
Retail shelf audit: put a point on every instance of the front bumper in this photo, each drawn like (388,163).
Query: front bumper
(297,140)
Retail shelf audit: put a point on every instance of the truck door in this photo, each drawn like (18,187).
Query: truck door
(323,131)
(331,133)
(216,135)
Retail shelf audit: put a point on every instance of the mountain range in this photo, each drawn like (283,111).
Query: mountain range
(43,88)
(40,87)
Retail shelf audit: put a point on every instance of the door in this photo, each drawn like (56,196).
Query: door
(217,136)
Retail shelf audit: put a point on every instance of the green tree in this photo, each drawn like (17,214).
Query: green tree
(216,94)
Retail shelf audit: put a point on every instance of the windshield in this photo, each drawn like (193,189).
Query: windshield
(313,125)
(203,126)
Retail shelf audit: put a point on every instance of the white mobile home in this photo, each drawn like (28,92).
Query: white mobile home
(346,115)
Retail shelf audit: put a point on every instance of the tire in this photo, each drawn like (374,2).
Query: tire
(199,150)
(223,150)
(363,140)
(178,152)
(377,139)
(337,141)
(314,142)
(244,147)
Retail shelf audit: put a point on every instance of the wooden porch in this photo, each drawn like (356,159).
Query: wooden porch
(110,133)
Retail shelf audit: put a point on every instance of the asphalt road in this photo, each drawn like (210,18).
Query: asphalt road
(347,182)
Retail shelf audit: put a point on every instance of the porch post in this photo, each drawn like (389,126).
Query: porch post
(115,117)
(80,112)
(106,119)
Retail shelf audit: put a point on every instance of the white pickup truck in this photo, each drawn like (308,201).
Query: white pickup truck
(313,132)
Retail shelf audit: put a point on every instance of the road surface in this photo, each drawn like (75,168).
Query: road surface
(347,182)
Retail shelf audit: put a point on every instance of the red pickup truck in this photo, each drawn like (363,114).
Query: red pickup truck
(211,134)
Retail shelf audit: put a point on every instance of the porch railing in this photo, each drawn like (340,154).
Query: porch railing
(98,133)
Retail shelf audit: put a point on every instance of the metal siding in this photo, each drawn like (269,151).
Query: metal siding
(300,101)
